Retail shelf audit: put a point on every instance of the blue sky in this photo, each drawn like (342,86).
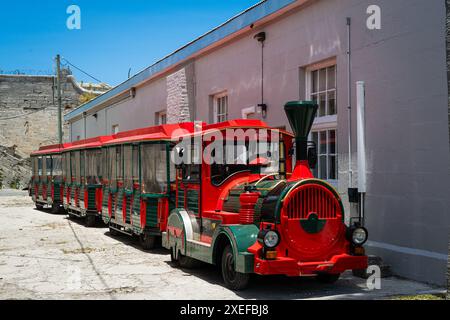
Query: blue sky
(115,35)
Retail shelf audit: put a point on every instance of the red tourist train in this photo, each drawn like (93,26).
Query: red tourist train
(260,211)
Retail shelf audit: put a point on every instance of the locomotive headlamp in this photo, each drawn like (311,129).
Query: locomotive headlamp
(359,236)
(269,238)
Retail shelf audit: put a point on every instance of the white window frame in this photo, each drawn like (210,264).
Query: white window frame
(217,115)
(162,115)
(113,129)
(327,122)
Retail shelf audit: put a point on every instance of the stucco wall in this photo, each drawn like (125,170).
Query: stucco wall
(404,67)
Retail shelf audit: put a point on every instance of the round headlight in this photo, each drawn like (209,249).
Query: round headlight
(271,239)
(359,236)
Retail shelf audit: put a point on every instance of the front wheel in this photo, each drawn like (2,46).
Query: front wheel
(233,280)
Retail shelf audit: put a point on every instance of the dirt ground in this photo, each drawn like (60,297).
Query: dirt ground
(45,256)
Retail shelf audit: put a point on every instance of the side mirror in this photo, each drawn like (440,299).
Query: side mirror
(312,155)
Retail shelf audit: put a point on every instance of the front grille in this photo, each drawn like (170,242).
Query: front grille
(311,198)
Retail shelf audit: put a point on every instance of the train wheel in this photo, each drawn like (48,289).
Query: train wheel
(39,206)
(90,221)
(327,277)
(113,232)
(233,280)
(187,262)
(55,208)
(147,241)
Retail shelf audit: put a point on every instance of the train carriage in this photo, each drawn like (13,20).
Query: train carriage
(138,191)
(46,185)
(83,178)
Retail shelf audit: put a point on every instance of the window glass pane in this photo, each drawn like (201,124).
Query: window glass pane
(322,79)
(332,141)
(44,164)
(322,104)
(93,161)
(40,166)
(154,168)
(331,103)
(323,167)
(331,77)
(82,166)
(103,166)
(128,167)
(314,81)
(323,142)
(332,167)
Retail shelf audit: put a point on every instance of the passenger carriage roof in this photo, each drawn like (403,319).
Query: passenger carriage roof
(51,149)
(90,143)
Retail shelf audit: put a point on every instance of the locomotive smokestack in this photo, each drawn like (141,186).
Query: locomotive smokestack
(301,115)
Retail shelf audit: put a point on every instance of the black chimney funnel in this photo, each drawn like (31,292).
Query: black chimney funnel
(301,116)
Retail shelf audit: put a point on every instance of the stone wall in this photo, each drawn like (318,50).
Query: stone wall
(28,119)
(180,95)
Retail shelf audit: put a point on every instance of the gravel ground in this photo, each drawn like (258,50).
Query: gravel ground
(45,256)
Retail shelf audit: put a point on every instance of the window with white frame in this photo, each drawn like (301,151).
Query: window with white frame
(220,107)
(326,154)
(162,117)
(321,87)
(115,129)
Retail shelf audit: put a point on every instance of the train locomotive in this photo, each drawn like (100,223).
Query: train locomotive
(245,215)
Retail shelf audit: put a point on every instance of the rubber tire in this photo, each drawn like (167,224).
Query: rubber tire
(113,232)
(328,278)
(233,280)
(187,262)
(55,208)
(39,206)
(147,242)
(90,221)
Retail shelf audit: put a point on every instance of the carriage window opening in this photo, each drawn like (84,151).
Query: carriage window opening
(82,166)
(67,169)
(103,165)
(154,168)
(128,167)
(56,165)
(48,166)
(93,166)
(39,166)
(135,168)
(35,167)
(119,163)
(76,164)
(112,164)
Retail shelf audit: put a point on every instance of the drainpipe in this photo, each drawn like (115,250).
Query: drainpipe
(349,106)
(361,139)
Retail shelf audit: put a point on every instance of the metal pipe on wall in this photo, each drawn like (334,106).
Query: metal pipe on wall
(361,143)
(349,106)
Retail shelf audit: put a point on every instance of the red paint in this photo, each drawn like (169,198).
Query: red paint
(247,210)
(143,213)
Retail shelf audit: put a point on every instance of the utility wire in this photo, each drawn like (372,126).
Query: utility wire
(79,69)
(23,114)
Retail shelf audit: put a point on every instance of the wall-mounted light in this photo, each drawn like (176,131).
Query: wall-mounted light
(95,116)
(261,36)
(133,92)
(262,109)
